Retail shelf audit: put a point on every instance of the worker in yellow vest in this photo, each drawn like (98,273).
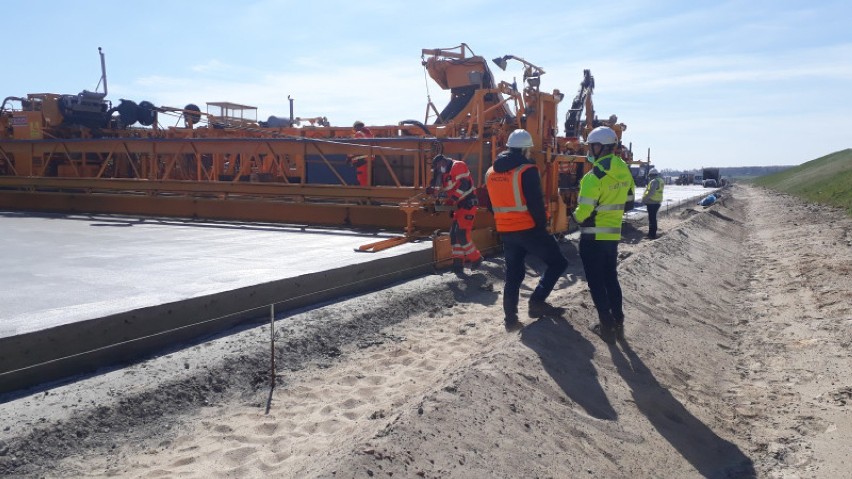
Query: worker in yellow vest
(600,208)
(652,199)
(514,188)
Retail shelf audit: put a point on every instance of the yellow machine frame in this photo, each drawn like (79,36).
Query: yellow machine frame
(242,170)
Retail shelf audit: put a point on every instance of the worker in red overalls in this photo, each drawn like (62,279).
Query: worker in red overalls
(453,186)
(361,162)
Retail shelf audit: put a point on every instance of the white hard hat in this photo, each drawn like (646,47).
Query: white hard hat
(653,172)
(603,135)
(519,139)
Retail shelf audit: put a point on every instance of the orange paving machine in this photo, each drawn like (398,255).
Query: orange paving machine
(80,153)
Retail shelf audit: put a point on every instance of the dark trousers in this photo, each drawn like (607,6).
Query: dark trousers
(516,247)
(652,219)
(600,259)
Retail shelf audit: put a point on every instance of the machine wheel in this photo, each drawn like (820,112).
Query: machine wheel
(193,118)
(128,112)
(145,113)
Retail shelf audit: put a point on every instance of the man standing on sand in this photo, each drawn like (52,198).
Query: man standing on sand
(514,187)
(652,199)
(599,212)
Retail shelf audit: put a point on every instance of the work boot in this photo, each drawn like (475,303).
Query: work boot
(619,331)
(512,324)
(458,266)
(476,264)
(537,309)
(605,332)
(616,319)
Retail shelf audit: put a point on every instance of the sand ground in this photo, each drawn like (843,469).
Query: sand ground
(737,363)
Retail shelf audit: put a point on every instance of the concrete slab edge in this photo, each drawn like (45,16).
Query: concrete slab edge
(62,352)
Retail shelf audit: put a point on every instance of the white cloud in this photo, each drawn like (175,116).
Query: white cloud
(209,66)
(378,94)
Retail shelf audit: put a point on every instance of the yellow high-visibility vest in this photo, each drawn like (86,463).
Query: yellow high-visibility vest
(603,192)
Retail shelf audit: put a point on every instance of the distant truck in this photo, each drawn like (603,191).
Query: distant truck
(711,178)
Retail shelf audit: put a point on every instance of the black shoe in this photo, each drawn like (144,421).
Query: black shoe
(619,331)
(458,266)
(606,333)
(537,309)
(476,264)
(512,323)
(512,326)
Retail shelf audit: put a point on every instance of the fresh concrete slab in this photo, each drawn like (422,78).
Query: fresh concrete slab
(83,292)
(59,269)
(673,197)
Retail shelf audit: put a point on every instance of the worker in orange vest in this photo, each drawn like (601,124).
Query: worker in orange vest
(453,186)
(361,162)
(514,188)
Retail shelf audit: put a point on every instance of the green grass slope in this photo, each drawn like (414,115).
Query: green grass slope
(826,180)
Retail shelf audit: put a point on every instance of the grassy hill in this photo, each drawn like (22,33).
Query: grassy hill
(826,180)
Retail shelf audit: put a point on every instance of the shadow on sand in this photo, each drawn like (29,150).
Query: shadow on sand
(709,454)
(475,287)
(632,233)
(567,356)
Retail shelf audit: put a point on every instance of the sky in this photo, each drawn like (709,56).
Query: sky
(698,83)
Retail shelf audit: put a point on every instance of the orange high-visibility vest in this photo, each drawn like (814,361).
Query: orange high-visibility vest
(507,199)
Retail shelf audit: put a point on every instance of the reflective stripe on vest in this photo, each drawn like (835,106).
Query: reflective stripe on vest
(599,229)
(617,207)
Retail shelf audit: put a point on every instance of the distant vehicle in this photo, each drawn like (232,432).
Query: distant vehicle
(710,183)
(685,179)
(698,180)
(640,174)
(712,174)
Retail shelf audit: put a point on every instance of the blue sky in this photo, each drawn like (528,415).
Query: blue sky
(699,83)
